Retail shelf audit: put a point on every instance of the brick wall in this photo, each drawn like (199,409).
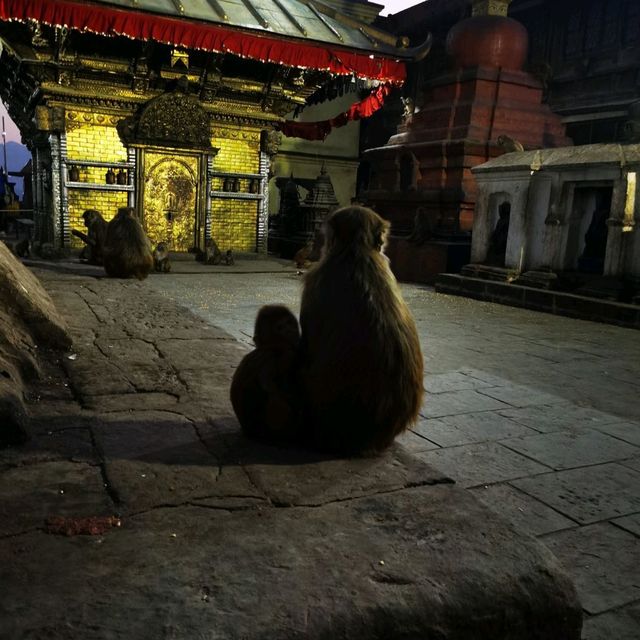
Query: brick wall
(93,137)
(234,222)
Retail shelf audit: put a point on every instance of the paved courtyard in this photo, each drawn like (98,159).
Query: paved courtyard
(538,415)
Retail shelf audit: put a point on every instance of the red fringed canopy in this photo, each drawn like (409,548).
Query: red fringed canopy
(320,130)
(199,35)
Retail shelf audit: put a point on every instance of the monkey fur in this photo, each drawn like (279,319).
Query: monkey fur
(161,261)
(212,253)
(264,390)
(361,366)
(22,248)
(229,260)
(127,251)
(94,238)
(509,144)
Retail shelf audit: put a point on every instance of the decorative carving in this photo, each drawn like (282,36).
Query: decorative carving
(37,38)
(490,7)
(270,141)
(172,119)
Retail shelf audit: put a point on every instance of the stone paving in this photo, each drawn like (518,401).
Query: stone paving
(538,415)
(222,537)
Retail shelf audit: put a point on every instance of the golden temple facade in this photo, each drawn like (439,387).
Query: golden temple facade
(173,114)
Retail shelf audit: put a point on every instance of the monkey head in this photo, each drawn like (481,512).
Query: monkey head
(356,228)
(276,326)
(90,216)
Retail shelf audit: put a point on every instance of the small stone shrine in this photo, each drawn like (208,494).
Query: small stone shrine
(572,224)
(299,223)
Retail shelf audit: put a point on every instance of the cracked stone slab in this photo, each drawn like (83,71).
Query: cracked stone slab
(152,436)
(141,486)
(93,375)
(627,431)
(568,449)
(629,523)
(632,463)
(293,477)
(588,494)
(146,401)
(30,494)
(412,441)
(603,561)
(417,563)
(557,417)
(213,354)
(621,624)
(478,464)
(452,381)
(520,395)
(210,385)
(522,510)
(454,402)
(73,444)
(467,428)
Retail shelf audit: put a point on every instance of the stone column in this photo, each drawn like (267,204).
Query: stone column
(481,224)
(517,241)
(57,169)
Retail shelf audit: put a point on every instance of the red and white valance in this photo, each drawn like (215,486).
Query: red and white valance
(190,34)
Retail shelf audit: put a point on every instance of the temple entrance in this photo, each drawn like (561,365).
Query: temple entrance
(170,199)
(587,233)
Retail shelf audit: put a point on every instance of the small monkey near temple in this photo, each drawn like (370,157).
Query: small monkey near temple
(264,387)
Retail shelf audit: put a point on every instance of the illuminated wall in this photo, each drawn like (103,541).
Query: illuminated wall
(92,136)
(234,221)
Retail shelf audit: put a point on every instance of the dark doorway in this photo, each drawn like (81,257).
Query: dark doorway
(497,250)
(588,230)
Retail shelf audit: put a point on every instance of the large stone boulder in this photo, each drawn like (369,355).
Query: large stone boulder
(28,322)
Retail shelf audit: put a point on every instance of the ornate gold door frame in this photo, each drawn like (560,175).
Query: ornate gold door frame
(171,187)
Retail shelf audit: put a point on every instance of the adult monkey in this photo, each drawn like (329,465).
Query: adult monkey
(127,251)
(361,363)
(94,238)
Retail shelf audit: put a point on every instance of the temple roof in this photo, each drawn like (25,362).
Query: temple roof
(560,157)
(306,19)
(299,33)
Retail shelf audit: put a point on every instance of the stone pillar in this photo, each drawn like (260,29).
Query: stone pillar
(618,230)
(517,240)
(481,225)
(57,212)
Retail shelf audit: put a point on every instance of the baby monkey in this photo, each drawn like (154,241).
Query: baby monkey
(264,390)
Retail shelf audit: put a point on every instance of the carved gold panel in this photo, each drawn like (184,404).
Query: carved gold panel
(170,199)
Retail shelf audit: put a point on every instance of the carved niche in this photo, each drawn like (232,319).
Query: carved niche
(169,120)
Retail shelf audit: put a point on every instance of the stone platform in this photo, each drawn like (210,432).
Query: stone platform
(220,537)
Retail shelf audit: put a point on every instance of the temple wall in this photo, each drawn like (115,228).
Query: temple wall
(92,136)
(234,221)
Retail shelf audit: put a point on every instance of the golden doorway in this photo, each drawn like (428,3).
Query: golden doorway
(170,199)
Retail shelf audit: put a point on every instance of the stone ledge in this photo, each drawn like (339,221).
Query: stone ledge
(556,302)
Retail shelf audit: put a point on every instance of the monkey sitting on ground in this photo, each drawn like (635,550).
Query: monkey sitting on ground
(302,256)
(264,391)
(229,259)
(127,251)
(94,238)
(22,248)
(161,258)
(361,365)
(211,253)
